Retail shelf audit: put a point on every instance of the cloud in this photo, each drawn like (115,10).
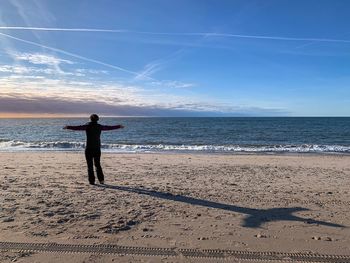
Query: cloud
(157,65)
(32,12)
(41,59)
(39,105)
(22,77)
(50,61)
(173,84)
(36,88)
(14,69)
(20,70)
(32,94)
(149,70)
(19,103)
(71,54)
(67,89)
(91,71)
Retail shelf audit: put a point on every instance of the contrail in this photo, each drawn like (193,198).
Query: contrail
(74,55)
(205,34)
(62,29)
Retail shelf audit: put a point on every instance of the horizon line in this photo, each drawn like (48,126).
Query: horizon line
(53,116)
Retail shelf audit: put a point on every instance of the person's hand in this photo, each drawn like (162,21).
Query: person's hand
(121,127)
(65,127)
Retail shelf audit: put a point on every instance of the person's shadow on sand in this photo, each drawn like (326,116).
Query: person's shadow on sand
(255,218)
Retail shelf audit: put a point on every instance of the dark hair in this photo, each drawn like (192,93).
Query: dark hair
(94,117)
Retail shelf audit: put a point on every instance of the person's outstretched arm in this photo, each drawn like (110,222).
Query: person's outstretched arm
(76,128)
(113,127)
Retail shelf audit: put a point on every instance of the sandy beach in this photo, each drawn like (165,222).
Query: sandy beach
(285,203)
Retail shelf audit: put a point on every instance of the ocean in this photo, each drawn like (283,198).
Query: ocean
(195,135)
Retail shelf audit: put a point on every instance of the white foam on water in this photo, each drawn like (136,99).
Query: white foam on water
(11,145)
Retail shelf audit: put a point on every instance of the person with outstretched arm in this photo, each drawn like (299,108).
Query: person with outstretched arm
(93,145)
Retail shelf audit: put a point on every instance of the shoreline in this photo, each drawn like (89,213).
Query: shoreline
(286,203)
(73,151)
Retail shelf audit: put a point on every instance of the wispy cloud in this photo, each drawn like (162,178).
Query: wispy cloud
(14,69)
(42,59)
(21,70)
(74,90)
(54,62)
(149,70)
(91,71)
(50,61)
(39,105)
(157,65)
(39,94)
(43,105)
(71,54)
(202,34)
(173,84)
(145,74)
(33,12)
(63,29)
(34,87)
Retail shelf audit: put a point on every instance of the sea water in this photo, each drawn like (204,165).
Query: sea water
(218,135)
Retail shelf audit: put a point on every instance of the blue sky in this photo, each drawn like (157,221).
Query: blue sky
(175,58)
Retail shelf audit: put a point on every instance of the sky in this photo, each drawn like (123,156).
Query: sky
(174,58)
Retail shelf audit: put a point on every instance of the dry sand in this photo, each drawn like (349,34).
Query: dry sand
(291,203)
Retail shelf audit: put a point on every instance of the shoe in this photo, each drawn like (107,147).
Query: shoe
(102,182)
(92,183)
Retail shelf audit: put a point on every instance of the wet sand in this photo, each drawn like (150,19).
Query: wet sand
(286,203)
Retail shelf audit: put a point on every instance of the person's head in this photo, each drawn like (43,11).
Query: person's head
(94,118)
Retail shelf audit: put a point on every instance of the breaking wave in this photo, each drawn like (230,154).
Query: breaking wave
(11,145)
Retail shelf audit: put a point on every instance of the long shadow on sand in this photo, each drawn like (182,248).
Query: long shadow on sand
(255,218)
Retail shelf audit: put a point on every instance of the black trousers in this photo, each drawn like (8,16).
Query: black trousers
(93,156)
